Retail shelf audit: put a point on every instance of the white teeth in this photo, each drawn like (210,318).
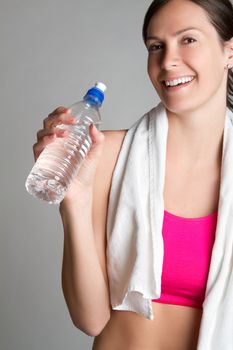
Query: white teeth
(178,81)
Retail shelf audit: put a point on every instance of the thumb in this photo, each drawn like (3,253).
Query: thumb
(97,138)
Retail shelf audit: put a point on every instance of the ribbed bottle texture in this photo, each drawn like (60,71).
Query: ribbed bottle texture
(60,161)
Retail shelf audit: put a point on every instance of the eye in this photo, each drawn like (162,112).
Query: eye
(154,47)
(189,40)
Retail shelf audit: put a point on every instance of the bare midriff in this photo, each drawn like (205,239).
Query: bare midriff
(174,327)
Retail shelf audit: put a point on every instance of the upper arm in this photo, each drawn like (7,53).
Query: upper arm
(101,190)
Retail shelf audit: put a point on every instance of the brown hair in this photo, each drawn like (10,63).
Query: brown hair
(220,14)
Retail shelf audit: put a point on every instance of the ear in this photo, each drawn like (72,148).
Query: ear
(229,52)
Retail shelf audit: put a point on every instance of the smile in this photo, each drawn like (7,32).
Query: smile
(175,84)
(178,81)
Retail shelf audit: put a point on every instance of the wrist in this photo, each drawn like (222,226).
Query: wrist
(77,202)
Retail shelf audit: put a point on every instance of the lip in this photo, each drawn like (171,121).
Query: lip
(177,87)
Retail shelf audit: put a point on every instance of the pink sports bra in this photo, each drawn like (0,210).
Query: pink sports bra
(188,244)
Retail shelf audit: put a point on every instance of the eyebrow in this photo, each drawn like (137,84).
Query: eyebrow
(175,34)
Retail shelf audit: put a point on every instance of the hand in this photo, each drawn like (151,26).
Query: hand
(85,177)
(50,132)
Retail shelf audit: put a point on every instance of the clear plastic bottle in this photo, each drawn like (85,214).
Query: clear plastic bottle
(60,161)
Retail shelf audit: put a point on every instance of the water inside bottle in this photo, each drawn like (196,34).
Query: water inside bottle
(58,164)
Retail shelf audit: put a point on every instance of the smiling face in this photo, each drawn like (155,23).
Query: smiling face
(184,48)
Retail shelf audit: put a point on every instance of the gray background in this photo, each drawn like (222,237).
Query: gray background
(51,53)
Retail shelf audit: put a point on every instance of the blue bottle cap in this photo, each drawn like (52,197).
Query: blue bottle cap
(96,93)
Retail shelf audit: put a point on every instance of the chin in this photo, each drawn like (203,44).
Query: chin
(179,107)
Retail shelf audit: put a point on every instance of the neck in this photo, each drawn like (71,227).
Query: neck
(195,138)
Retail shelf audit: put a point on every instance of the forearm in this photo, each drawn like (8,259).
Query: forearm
(84,287)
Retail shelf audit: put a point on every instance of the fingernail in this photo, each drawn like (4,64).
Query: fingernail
(72,120)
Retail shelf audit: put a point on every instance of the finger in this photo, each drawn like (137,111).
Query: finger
(47,132)
(96,135)
(44,132)
(59,110)
(56,119)
(98,139)
(38,147)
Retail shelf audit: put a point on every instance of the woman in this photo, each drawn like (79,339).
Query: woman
(190,56)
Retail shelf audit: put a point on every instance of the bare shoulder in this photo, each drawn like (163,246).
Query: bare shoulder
(112,146)
(113,142)
(114,137)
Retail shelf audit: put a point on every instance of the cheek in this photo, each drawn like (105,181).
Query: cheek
(209,70)
(196,59)
(152,68)
(205,61)
(149,65)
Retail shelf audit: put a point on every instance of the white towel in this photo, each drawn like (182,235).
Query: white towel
(134,230)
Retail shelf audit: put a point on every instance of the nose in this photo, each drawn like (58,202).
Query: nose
(170,58)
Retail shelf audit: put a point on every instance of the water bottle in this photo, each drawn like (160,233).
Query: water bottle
(59,162)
